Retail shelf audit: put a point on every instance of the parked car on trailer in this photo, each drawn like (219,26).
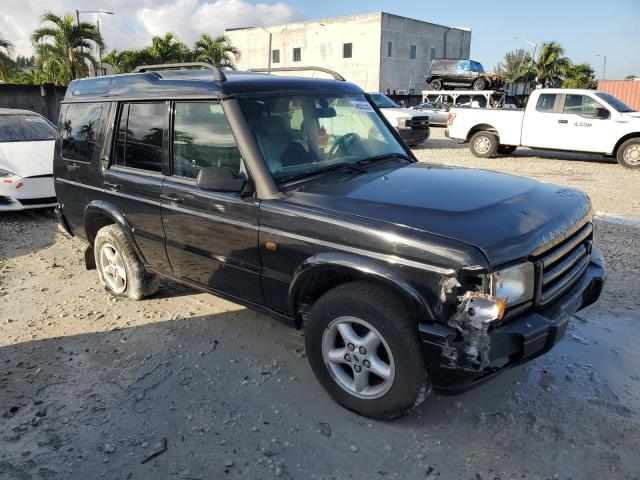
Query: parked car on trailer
(294,197)
(460,74)
(411,125)
(26,160)
(573,120)
(438,112)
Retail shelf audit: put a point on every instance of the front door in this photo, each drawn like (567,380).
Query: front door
(585,132)
(134,177)
(211,237)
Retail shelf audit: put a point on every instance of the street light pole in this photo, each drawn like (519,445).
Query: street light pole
(604,65)
(78,12)
(535,47)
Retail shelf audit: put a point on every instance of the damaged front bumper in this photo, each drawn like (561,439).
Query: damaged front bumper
(456,365)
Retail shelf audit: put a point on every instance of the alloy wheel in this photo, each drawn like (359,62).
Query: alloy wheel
(113,269)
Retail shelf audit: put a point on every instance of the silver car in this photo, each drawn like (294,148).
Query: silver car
(438,112)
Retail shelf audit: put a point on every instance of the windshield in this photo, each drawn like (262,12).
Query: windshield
(25,128)
(615,103)
(382,101)
(476,67)
(300,135)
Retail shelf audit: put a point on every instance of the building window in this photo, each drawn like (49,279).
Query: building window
(275,56)
(412,52)
(433,53)
(389,49)
(347,50)
(297,54)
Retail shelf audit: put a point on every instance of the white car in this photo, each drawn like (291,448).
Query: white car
(411,125)
(26,160)
(573,120)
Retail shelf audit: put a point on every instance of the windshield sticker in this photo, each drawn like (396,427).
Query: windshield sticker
(362,106)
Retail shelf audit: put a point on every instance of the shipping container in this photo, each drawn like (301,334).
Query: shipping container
(627,91)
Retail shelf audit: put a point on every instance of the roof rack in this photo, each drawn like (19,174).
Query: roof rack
(218,75)
(333,73)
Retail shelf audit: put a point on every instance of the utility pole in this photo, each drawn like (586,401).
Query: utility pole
(270,52)
(78,12)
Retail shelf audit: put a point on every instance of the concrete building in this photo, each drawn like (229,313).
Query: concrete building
(378,51)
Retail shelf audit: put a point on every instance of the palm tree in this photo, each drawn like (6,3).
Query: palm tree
(217,51)
(167,49)
(550,68)
(6,63)
(69,40)
(512,65)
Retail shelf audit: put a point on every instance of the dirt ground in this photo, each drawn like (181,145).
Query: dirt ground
(187,386)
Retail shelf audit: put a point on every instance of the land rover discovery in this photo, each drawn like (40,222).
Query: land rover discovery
(295,197)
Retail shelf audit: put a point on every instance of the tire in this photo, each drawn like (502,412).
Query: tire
(436,84)
(484,144)
(628,154)
(120,270)
(479,84)
(506,149)
(368,309)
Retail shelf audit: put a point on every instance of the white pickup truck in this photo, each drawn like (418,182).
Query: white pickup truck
(555,119)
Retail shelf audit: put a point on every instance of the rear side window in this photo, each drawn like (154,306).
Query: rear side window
(79,128)
(202,138)
(25,128)
(140,136)
(546,102)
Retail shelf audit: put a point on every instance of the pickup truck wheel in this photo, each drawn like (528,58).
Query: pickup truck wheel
(363,346)
(120,270)
(506,149)
(436,84)
(629,153)
(479,84)
(484,144)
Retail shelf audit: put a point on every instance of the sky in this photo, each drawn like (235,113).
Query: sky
(584,28)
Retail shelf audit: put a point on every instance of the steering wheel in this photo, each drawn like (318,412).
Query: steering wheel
(345,142)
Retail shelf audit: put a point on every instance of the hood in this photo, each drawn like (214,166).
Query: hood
(27,159)
(506,217)
(398,112)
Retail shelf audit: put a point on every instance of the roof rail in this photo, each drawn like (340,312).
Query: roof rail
(218,75)
(333,73)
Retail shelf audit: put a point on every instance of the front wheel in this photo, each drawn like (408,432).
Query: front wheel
(436,84)
(629,153)
(363,346)
(479,84)
(484,144)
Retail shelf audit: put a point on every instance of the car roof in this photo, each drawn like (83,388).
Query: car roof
(175,84)
(16,111)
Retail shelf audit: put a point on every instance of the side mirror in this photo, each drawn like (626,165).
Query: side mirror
(220,179)
(601,113)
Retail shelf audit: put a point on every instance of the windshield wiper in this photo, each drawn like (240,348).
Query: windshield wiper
(338,166)
(384,157)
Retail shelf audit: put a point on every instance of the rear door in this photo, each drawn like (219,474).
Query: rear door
(543,125)
(211,237)
(134,178)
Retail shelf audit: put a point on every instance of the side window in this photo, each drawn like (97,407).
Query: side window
(580,105)
(275,56)
(79,130)
(202,138)
(140,134)
(297,54)
(412,52)
(546,102)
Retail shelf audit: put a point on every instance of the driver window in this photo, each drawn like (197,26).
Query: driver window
(582,105)
(202,138)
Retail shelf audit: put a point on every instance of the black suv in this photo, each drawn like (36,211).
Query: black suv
(294,196)
(460,74)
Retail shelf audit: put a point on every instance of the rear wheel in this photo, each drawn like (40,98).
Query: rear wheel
(120,270)
(363,346)
(506,149)
(484,144)
(436,84)
(479,84)
(629,153)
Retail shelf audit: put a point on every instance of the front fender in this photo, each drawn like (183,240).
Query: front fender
(94,215)
(357,267)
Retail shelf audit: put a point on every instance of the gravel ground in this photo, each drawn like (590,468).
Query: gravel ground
(187,386)
(613,189)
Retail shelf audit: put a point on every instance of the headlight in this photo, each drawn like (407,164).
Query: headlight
(515,284)
(404,122)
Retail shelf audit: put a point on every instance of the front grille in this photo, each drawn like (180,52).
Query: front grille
(419,123)
(37,201)
(560,267)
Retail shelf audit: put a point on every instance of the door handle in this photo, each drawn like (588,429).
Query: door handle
(563,121)
(171,200)
(112,186)
(72,167)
